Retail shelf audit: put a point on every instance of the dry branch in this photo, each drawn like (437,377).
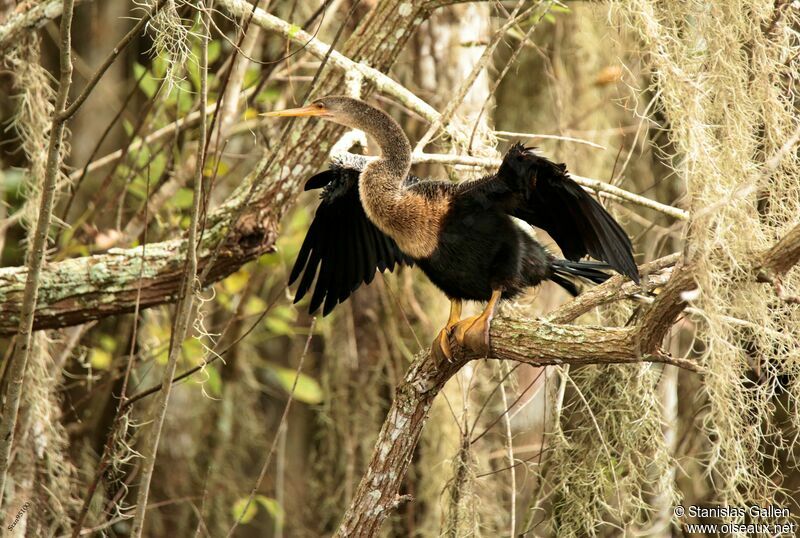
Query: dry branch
(110,59)
(183,313)
(267,21)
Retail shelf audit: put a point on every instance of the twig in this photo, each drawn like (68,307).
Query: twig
(184,310)
(189,120)
(551,137)
(781,257)
(104,462)
(281,429)
(616,288)
(510,447)
(319,49)
(98,74)
(480,65)
(230,100)
(37,253)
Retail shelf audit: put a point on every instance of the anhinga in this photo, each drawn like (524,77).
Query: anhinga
(375,215)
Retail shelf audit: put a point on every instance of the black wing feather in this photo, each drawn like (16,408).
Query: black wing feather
(342,247)
(541,193)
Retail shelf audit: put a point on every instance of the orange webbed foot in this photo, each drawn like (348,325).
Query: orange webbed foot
(473,334)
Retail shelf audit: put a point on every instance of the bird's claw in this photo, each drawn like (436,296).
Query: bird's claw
(440,349)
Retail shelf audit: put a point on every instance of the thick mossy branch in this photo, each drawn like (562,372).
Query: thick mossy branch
(23,20)
(782,257)
(532,342)
(78,290)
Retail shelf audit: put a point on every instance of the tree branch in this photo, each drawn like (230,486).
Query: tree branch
(98,74)
(537,343)
(183,313)
(780,258)
(24,20)
(267,21)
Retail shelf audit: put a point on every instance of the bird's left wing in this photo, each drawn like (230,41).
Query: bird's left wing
(541,193)
(342,247)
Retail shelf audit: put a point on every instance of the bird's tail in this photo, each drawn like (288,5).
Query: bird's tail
(566,272)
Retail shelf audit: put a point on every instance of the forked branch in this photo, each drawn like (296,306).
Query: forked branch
(534,342)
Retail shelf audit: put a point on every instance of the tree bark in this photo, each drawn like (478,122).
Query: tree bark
(27,19)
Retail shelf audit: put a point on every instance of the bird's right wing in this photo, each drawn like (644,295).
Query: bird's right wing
(342,247)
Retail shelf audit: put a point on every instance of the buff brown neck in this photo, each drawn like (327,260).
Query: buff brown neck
(381,185)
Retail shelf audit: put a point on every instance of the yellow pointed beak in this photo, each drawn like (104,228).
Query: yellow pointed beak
(306,111)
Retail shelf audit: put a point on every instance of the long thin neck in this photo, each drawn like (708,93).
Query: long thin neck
(381,185)
(402,214)
(392,141)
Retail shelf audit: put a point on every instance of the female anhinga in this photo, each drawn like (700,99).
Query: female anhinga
(373,216)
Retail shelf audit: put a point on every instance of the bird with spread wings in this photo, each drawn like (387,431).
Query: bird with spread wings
(374,216)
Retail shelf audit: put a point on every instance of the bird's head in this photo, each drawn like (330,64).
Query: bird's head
(338,109)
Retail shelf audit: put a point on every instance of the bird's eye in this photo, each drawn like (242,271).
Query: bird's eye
(319,104)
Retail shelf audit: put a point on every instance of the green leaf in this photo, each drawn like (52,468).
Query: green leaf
(251,77)
(192,350)
(293,30)
(148,84)
(127,126)
(182,97)
(159,66)
(213,168)
(281,320)
(108,342)
(269,504)
(308,389)
(193,69)
(214,50)
(271,259)
(183,199)
(254,306)
(272,507)
(278,326)
(268,95)
(239,513)
(236,282)
(100,359)
(213,381)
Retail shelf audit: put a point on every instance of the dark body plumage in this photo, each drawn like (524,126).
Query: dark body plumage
(479,247)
